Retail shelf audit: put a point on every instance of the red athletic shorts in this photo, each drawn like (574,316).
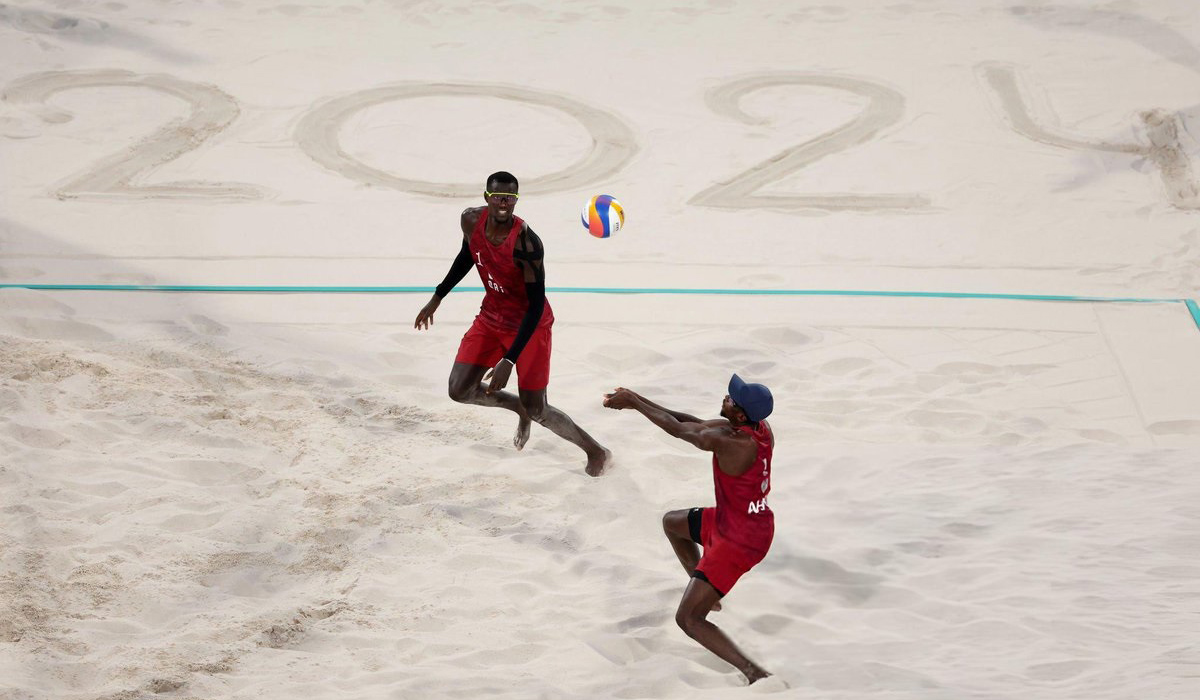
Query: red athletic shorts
(485,345)
(724,561)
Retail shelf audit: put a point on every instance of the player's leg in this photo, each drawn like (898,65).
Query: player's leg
(466,386)
(684,530)
(684,536)
(698,600)
(561,425)
(480,350)
(533,376)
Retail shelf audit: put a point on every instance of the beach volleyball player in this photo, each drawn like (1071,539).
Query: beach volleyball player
(512,329)
(737,532)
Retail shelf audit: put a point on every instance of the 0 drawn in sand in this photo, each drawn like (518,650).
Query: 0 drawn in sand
(613,143)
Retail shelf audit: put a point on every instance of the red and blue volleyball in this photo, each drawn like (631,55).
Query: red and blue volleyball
(603,216)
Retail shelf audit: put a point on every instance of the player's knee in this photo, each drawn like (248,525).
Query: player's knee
(687,622)
(460,392)
(674,522)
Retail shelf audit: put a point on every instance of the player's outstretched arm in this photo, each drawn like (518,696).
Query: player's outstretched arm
(734,450)
(620,398)
(677,415)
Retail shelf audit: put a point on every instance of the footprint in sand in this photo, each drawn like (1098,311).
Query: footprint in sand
(51,329)
(786,337)
(557,543)
(623,358)
(758,369)
(704,681)
(1175,427)
(1057,670)
(191,522)
(205,325)
(948,421)
(519,590)
(622,649)
(770,624)
(40,438)
(282,636)
(209,472)
(738,354)
(399,360)
(845,366)
(650,619)
(514,655)
(965,529)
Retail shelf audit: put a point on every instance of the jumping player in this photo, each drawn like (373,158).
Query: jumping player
(512,329)
(736,533)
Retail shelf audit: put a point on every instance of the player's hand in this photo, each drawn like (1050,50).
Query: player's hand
(620,398)
(499,376)
(425,316)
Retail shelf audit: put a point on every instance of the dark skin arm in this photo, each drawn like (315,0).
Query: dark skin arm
(735,450)
(677,415)
(458,269)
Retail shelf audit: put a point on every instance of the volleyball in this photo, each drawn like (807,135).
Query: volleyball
(603,216)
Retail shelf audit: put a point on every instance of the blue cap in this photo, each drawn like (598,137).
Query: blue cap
(754,399)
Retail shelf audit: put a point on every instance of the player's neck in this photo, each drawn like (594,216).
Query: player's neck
(497,231)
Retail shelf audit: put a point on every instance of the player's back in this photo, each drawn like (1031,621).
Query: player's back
(742,511)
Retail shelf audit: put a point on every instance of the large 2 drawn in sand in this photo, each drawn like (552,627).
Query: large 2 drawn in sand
(614,144)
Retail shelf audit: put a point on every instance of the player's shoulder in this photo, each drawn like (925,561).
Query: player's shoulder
(742,437)
(470,218)
(724,432)
(529,235)
(527,240)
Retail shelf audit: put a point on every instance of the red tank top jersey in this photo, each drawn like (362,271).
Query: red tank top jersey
(743,515)
(504,299)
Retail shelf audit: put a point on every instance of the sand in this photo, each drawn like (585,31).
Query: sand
(234,495)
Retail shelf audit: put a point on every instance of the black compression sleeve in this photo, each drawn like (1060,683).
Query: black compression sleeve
(536,292)
(458,270)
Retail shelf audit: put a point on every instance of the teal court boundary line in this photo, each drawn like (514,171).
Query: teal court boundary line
(1191,304)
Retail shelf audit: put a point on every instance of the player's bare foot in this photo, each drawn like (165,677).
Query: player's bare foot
(754,673)
(598,462)
(522,435)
